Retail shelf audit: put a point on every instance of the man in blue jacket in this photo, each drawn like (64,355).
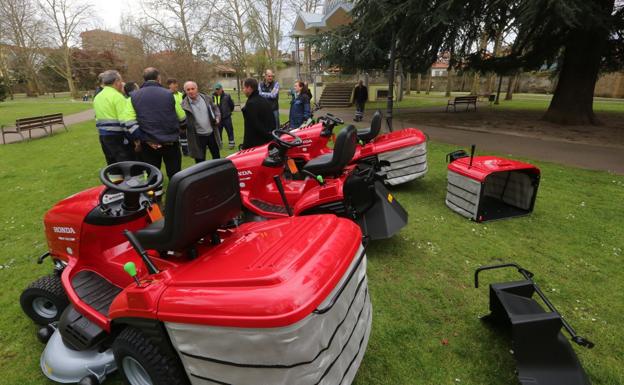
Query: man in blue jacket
(154,117)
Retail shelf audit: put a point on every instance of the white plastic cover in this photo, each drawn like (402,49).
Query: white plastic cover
(406,164)
(462,195)
(325,348)
(67,366)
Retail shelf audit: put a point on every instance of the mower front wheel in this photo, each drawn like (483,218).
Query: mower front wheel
(141,362)
(44,300)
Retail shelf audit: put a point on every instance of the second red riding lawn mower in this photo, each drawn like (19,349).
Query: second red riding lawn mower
(191,298)
(274,186)
(404,152)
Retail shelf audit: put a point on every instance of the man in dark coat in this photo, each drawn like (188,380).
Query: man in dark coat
(156,117)
(259,120)
(202,119)
(360,96)
(226,106)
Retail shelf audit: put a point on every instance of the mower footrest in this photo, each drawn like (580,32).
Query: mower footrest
(543,354)
(269,207)
(95,290)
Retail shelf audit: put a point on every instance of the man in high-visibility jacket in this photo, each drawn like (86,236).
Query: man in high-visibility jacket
(172,84)
(109,106)
(154,116)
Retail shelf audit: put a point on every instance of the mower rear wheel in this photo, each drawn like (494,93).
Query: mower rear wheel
(141,362)
(44,300)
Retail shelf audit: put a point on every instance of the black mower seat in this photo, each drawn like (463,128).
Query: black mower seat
(334,163)
(370,133)
(200,199)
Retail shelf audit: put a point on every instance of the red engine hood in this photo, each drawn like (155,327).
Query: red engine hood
(63,222)
(267,274)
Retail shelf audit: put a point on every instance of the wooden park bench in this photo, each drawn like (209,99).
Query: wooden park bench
(467,100)
(28,124)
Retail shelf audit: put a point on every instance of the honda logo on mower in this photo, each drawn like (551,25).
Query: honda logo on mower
(63,230)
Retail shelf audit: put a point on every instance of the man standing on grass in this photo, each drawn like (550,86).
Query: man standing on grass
(172,84)
(109,109)
(360,96)
(203,118)
(259,118)
(269,89)
(226,105)
(154,115)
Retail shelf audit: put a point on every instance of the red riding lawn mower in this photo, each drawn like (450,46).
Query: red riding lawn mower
(404,151)
(201,301)
(273,185)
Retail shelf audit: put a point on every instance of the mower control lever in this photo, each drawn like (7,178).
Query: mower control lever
(130,268)
(151,268)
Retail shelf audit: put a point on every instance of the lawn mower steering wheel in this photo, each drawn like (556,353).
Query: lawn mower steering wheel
(138,177)
(334,119)
(294,143)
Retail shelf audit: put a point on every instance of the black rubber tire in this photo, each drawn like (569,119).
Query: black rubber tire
(162,368)
(50,289)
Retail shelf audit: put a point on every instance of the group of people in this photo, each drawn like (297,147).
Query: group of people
(157,124)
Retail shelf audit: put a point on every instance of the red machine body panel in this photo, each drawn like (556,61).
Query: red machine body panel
(262,274)
(482,166)
(314,144)
(282,271)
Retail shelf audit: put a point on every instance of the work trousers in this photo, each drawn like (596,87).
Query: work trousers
(116,148)
(229,128)
(168,153)
(277,121)
(209,141)
(359,110)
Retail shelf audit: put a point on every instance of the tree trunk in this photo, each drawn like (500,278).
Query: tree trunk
(418,83)
(573,99)
(428,83)
(511,86)
(408,90)
(68,72)
(476,84)
(449,82)
(401,83)
(391,74)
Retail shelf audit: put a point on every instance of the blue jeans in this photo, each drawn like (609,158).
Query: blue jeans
(277,122)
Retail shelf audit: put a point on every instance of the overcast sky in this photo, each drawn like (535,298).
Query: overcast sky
(109,12)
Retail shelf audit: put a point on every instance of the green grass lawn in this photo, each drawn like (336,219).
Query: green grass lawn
(42,105)
(420,281)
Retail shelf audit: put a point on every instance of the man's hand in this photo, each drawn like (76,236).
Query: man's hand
(137,146)
(155,146)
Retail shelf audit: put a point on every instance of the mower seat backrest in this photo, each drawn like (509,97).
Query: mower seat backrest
(200,199)
(336,161)
(370,133)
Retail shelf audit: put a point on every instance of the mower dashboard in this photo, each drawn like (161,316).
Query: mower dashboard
(112,211)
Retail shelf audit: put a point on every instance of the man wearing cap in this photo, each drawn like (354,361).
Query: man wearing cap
(226,106)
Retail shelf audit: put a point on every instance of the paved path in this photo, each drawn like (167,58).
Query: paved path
(589,156)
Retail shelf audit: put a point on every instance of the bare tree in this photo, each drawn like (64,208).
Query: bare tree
(265,23)
(233,32)
(181,25)
(65,17)
(23,31)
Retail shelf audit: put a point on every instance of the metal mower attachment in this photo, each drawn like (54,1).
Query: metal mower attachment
(543,354)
